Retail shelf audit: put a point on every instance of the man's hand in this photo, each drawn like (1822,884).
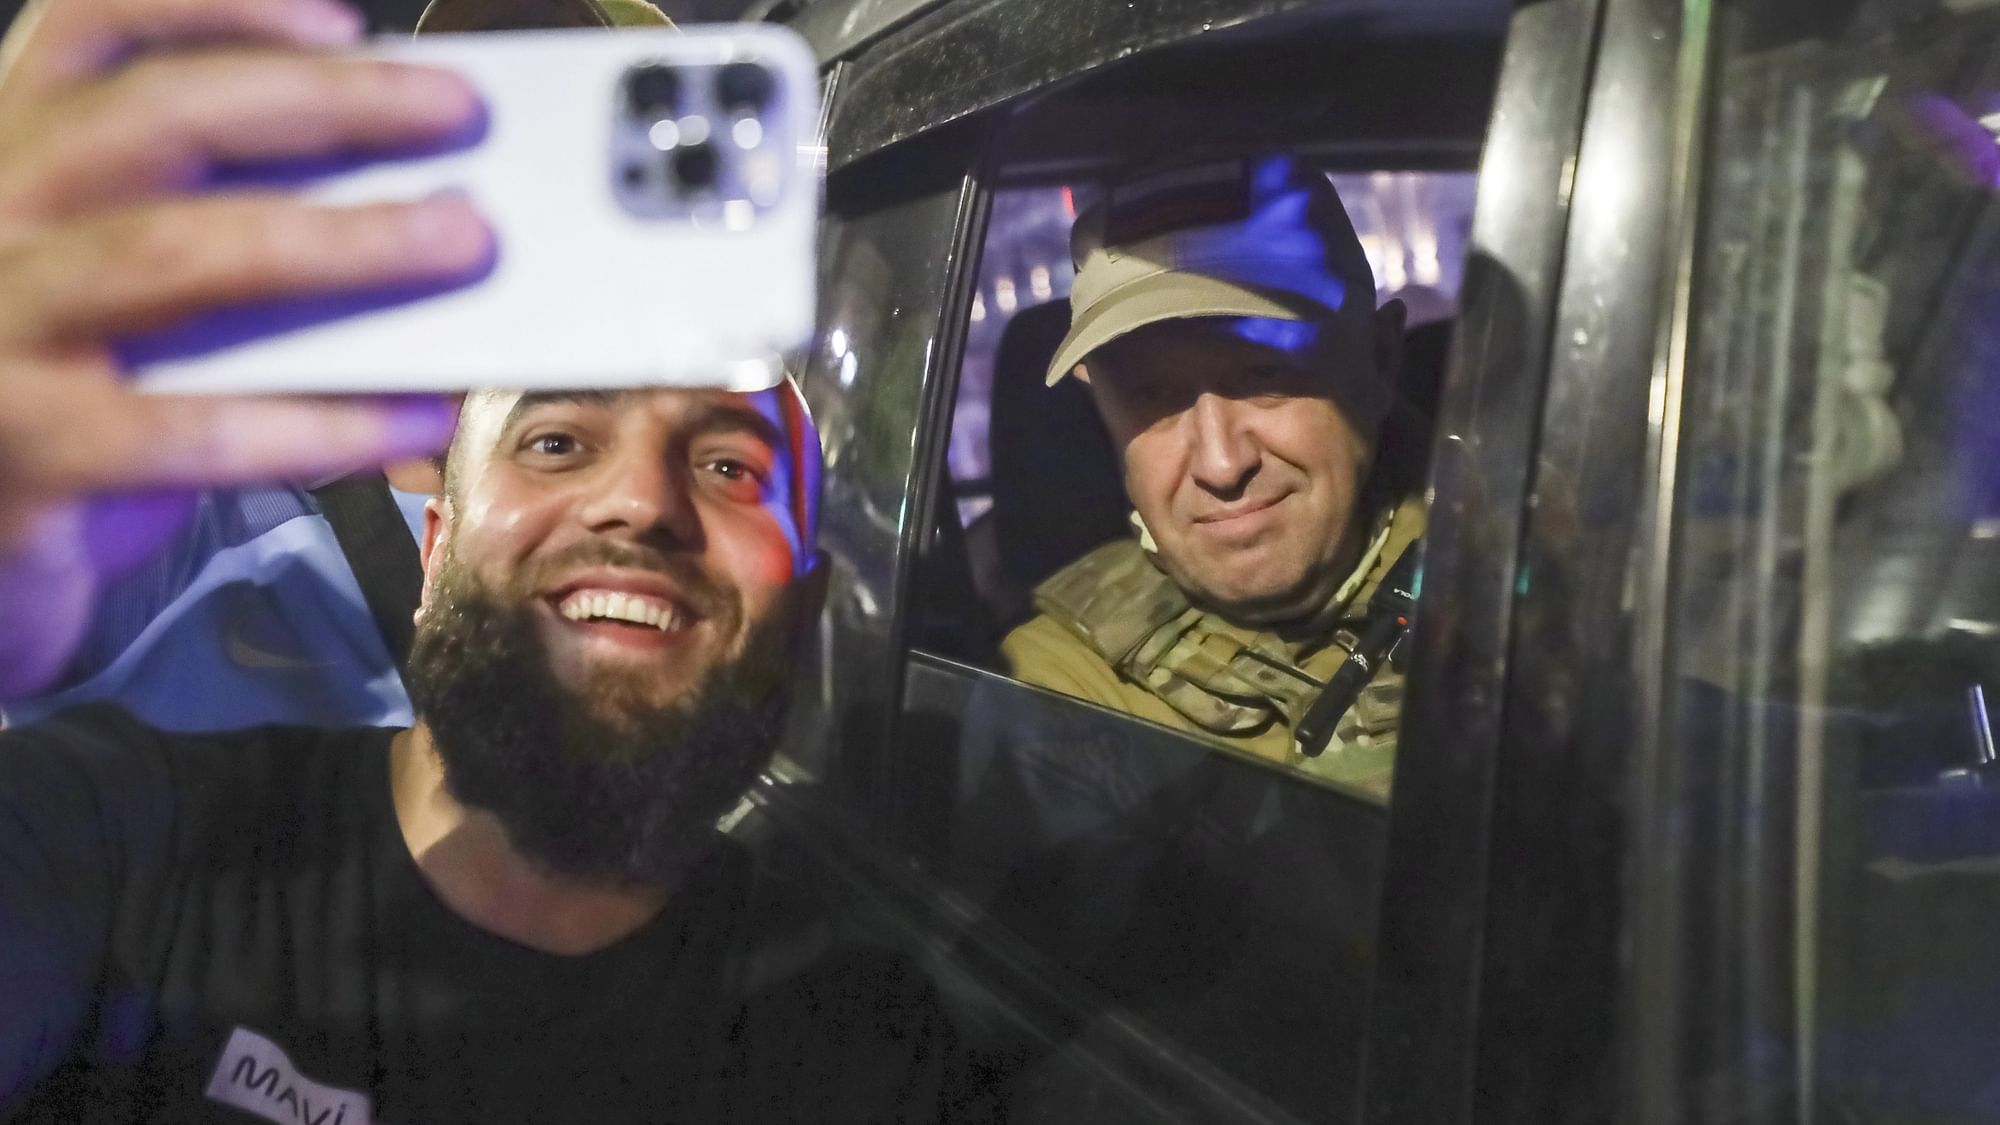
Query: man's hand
(113,114)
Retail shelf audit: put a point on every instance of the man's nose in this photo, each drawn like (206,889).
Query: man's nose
(1225,453)
(640,495)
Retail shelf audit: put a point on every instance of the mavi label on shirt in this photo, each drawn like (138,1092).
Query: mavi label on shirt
(257,1076)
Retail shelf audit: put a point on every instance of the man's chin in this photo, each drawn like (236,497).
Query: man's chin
(592,774)
(1249,601)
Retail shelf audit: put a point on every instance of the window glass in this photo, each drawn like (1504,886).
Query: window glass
(1837,569)
(1207,924)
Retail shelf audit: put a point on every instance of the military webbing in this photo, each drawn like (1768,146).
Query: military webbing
(1225,679)
(1222,679)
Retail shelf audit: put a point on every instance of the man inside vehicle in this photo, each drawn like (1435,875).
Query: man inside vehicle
(517,910)
(1226,324)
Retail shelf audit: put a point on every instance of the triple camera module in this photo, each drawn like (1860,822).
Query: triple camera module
(701,142)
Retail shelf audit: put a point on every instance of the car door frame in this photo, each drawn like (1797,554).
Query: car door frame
(1535,986)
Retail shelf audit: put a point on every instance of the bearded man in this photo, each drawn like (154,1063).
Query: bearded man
(516,909)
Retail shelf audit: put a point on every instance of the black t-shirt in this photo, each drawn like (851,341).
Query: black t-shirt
(230,928)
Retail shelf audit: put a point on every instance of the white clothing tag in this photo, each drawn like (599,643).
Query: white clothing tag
(256,1076)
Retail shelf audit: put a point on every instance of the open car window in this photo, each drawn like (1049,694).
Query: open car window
(1205,914)
(1032,482)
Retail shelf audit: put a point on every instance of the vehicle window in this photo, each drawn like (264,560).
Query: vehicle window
(1034,481)
(1836,623)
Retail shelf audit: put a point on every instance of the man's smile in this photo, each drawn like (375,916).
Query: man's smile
(623,610)
(633,609)
(1243,520)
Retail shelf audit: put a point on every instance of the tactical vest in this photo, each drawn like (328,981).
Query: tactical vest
(1225,679)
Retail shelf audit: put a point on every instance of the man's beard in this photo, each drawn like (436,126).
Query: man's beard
(595,783)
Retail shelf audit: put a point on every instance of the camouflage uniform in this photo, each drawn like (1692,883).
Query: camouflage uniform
(1115,630)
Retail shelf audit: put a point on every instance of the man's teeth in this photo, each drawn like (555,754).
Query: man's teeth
(585,605)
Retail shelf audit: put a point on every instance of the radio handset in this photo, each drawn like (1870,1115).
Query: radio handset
(1387,620)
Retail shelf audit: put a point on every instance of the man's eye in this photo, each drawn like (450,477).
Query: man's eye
(731,469)
(554,445)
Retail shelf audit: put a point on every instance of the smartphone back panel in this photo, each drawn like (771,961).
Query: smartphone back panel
(654,211)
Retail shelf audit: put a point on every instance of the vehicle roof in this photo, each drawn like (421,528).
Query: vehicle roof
(921,64)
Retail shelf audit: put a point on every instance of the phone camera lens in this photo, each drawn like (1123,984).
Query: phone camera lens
(745,86)
(695,167)
(654,91)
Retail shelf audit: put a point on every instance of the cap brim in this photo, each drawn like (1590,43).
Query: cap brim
(1167,296)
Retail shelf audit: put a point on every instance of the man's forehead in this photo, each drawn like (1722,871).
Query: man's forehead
(490,414)
(777,417)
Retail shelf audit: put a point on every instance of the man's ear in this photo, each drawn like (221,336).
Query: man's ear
(430,552)
(1392,321)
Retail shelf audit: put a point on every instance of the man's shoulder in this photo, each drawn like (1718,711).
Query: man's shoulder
(102,753)
(108,728)
(100,740)
(1046,653)
(1111,599)
(1110,574)
(117,806)
(1044,633)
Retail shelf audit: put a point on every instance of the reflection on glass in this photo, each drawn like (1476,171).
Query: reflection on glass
(1838,609)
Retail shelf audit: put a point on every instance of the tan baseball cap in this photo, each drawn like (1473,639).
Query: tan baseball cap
(1261,236)
(523,15)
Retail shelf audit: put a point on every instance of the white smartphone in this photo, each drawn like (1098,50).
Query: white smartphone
(654,194)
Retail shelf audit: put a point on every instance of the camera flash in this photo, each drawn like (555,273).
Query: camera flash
(761,172)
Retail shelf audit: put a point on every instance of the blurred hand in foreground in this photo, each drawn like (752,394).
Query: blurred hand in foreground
(114,115)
